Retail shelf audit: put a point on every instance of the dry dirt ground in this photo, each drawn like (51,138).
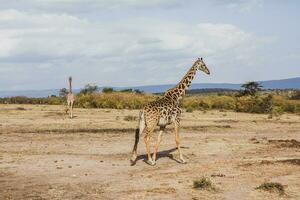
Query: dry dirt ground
(45,155)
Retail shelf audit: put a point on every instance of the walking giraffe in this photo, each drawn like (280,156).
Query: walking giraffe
(163,112)
(70,98)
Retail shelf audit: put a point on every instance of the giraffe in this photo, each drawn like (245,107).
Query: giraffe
(70,98)
(163,112)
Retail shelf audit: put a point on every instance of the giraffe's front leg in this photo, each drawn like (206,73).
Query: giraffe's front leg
(177,140)
(147,142)
(71,110)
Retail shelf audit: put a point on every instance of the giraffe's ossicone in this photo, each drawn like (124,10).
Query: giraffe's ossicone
(163,112)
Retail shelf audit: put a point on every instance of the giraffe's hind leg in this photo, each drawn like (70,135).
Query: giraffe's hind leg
(138,132)
(147,142)
(177,140)
(157,144)
(68,108)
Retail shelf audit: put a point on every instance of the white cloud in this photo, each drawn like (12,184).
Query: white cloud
(58,36)
(48,44)
(79,6)
(241,5)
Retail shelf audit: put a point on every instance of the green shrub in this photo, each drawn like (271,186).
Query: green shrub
(254,104)
(107,90)
(54,101)
(85,101)
(223,102)
(274,104)
(196,103)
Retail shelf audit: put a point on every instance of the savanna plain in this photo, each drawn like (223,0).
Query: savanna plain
(46,155)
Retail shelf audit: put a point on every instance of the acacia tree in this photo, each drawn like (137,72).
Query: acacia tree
(88,89)
(63,92)
(251,88)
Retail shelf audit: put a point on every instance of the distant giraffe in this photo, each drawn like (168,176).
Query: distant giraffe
(70,98)
(163,112)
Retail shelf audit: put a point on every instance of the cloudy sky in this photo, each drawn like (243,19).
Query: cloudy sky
(145,42)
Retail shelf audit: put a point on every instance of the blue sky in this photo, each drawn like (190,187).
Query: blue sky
(143,42)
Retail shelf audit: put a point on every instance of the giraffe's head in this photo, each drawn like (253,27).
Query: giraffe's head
(201,66)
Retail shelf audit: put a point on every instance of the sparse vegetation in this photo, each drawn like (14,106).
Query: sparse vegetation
(286,143)
(130,118)
(105,139)
(272,103)
(271,187)
(115,100)
(295,95)
(203,184)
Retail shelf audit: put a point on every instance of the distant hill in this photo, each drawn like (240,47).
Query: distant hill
(211,90)
(292,83)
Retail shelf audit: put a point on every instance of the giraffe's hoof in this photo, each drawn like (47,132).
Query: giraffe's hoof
(151,162)
(132,162)
(182,161)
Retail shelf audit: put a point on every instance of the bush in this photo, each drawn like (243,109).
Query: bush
(296,95)
(114,100)
(254,104)
(263,103)
(223,102)
(85,101)
(203,183)
(292,106)
(107,90)
(271,187)
(196,103)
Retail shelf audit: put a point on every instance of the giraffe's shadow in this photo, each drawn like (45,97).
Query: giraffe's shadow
(159,155)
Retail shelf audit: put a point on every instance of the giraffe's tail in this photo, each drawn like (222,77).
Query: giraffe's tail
(138,132)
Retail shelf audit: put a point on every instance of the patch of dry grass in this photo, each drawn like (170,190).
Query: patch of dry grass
(203,184)
(271,187)
(286,143)
(130,118)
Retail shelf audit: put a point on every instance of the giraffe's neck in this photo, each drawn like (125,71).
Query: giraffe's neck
(70,85)
(177,92)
